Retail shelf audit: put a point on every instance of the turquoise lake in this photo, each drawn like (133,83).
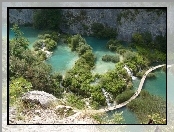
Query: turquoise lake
(30,33)
(63,59)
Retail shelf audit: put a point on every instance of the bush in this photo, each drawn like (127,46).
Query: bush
(95,105)
(114,45)
(18,87)
(124,96)
(111,58)
(150,75)
(42,55)
(50,44)
(38,44)
(75,101)
(83,48)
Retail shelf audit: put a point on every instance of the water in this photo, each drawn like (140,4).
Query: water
(30,33)
(153,86)
(63,59)
(99,50)
(130,73)
(128,116)
(107,96)
(157,86)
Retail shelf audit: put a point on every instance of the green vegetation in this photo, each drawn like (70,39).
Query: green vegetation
(117,118)
(29,65)
(75,101)
(114,45)
(115,82)
(131,58)
(101,31)
(28,71)
(18,87)
(49,19)
(157,119)
(141,73)
(46,40)
(153,50)
(79,77)
(147,105)
(124,96)
(111,58)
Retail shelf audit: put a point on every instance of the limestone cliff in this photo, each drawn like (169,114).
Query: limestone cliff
(125,21)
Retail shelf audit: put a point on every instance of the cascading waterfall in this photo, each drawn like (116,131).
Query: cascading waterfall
(107,96)
(129,72)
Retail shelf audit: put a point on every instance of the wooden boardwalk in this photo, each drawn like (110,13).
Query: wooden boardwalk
(137,92)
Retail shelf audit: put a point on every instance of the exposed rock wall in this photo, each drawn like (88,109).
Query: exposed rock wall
(24,16)
(126,22)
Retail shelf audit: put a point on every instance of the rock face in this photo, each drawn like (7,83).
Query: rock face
(126,22)
(41,97)
(24,16)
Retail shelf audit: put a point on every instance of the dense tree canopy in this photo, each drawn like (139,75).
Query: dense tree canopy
(47,19)
(152,49)
(101,31)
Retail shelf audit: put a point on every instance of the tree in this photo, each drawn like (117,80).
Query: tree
(47,19)
(124,96)
(18,44)
(137,38)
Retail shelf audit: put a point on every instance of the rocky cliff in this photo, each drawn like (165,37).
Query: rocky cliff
(20,16)
(124,21)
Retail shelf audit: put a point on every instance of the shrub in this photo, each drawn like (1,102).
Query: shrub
(17,87)
(95,105)
(75,101)
(124,96)
(114,45)
(150,75)
(38,44)
(50,44)
(111,58)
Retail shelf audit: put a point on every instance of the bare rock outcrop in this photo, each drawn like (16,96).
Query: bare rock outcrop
(39,97)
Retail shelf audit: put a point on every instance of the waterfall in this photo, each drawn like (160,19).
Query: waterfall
(107,96)
(129,72)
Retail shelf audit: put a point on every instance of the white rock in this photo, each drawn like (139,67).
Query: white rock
(45,99)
